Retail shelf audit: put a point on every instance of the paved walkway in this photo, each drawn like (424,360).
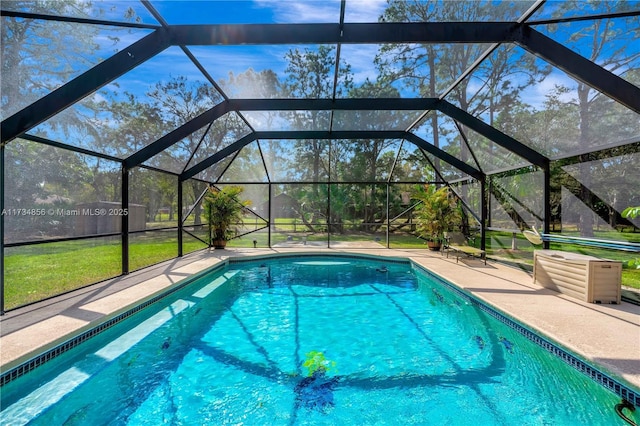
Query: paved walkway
(605,335)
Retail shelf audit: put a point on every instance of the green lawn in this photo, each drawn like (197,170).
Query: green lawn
(36,272)
(499,247)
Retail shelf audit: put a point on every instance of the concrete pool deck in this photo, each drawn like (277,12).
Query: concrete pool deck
(606,336)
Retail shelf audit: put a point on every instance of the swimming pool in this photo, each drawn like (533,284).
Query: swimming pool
(311,340)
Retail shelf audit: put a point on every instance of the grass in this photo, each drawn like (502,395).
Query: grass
(148,249)
(499,247)
(36,272)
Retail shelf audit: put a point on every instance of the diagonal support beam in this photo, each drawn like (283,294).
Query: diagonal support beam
(312,134)
(224,152)
(506,201)
(493,134)
(443,155)
(581,68)
(177,135)
(84,84)
(579,190)
(392,104)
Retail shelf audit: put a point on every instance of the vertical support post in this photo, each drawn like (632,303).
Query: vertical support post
(179,214)
(2,192)
(483,212)
(388,214)
(547,202)
(329,211)
(490,186)
(269,215)
(210,186)
(329,199)
(125,220)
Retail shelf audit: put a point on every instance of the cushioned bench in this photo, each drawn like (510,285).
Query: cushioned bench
(457,242)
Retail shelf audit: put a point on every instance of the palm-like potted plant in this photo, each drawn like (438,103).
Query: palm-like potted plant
(222,210)
(438,212)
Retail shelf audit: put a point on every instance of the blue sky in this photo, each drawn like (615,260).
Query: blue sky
(248,12)
(220,60)
(267,11)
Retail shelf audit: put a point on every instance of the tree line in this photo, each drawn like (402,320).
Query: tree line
(567,118)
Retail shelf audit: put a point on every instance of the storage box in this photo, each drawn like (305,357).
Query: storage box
(586,278)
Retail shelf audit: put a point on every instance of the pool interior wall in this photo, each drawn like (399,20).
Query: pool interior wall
(574,361)
(606,380)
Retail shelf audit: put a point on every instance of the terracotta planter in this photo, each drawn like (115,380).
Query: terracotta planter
(434,245)
(219,244)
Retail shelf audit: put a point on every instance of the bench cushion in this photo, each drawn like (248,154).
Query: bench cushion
(466,249)
(457,242)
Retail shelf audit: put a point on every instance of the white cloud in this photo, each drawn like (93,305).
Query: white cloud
(536,95)
(97,97)
(302,11)
(125,38)
(360,57)
(220,60)
(364,10)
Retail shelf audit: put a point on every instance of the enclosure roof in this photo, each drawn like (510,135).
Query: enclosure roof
(182,86)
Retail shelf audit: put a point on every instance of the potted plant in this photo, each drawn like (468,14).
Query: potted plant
(437,213)
(223,209)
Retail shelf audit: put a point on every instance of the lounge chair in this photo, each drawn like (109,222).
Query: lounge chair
(457,242)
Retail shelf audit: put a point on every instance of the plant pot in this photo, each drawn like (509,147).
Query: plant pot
(219,244)
(434,245)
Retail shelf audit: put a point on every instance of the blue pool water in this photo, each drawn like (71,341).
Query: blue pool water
(309,340)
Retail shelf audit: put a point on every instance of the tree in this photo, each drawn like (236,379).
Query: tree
(167,106)
(252,84)
(365,159)
(38,56)
(310,74)
(42,177)
(437,213)
(429,70)
(223,209)
(605,42)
